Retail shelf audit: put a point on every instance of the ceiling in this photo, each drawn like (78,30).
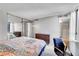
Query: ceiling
(33,11)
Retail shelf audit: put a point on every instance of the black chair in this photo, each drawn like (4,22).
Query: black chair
(59,47)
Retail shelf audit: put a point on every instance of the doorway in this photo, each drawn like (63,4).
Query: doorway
(65,31)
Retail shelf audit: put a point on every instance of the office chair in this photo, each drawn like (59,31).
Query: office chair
(59,46)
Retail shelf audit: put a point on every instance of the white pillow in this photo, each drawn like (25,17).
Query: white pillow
(11,36)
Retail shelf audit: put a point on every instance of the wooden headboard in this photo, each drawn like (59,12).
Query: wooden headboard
(45,37)
(17,34)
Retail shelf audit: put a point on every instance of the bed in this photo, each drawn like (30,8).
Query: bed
(45,37)
(22,46)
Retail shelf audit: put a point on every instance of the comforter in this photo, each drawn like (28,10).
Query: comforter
(22,46)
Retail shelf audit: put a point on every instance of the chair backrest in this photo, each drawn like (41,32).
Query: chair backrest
(59,43)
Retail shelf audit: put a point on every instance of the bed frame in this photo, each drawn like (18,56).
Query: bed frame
(17,34)
(45,37)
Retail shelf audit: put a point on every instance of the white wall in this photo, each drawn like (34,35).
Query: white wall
(24,28)
(77,37)
(29,30)
(49,25)
(78,26)
(16,24)
(17,27)
(72,41)
(3,25)
(14,19)
(72,26)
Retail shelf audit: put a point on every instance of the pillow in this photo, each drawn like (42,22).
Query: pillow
(11,36)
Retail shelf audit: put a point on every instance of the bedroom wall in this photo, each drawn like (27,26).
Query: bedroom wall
(29,30)
(18,25)
(14,19)
(78,26)
(3,25)
(72,41)
(72,26)
(15,23)
(49,25)
(75,41)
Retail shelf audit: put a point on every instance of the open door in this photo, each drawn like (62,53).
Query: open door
(65,31)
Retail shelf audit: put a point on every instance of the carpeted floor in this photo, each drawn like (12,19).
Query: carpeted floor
(49,51)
